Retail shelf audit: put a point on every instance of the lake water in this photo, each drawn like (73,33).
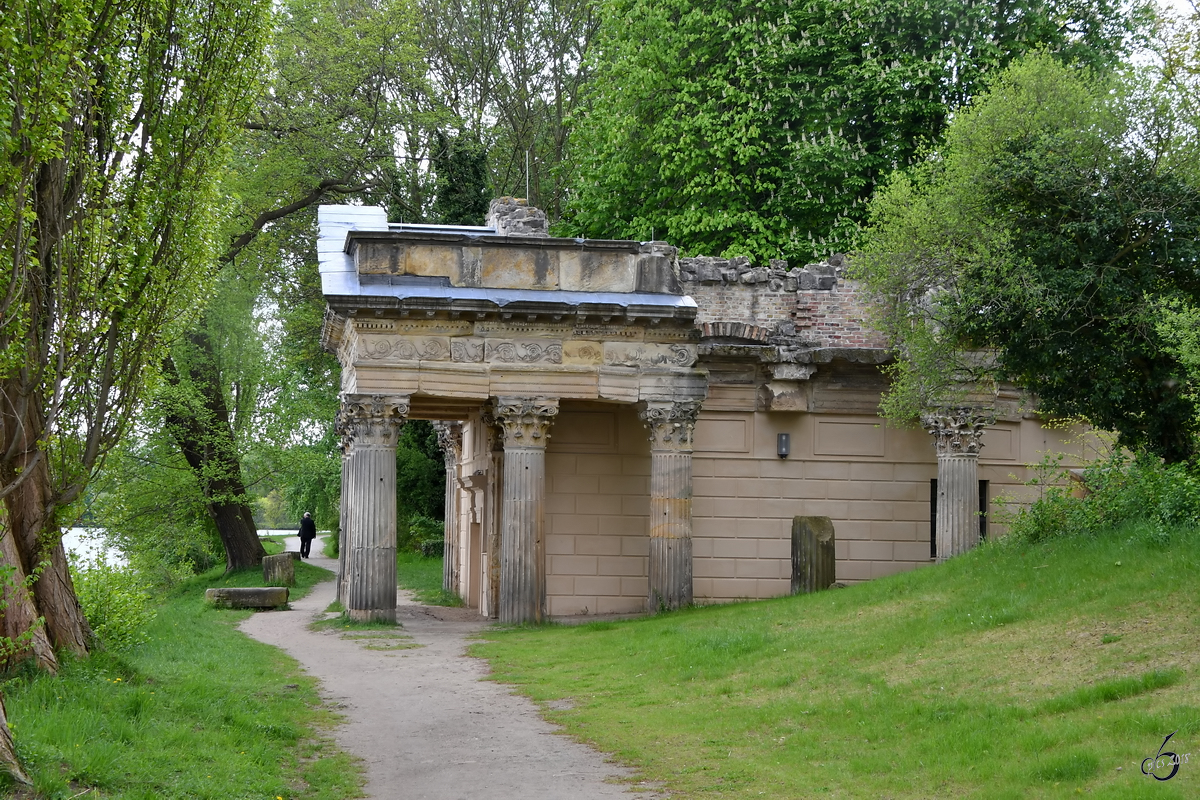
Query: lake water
(87,543)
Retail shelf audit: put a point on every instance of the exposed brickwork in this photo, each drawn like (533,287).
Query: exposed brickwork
(814,306)
(836,318)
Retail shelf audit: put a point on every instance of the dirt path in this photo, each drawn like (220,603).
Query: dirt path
(423,721)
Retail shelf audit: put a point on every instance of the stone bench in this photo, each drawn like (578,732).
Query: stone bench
(248,597)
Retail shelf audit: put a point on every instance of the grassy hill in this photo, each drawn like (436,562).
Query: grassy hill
(1016,671)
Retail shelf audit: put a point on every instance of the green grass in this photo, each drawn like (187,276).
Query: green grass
(423,577)
(1011,672)
(199,711)
(273,546)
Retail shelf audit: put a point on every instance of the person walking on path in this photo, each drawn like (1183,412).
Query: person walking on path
(308,532)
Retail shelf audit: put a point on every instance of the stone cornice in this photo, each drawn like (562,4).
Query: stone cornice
(525,421)
(670,423)
(957,430)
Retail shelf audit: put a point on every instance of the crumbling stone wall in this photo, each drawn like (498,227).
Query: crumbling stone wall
(513,216)
(815,304)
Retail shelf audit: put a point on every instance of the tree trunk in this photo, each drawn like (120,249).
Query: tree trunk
(206,439)
(8,752)
(32,544)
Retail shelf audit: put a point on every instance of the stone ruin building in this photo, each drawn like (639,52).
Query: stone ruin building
(626,430)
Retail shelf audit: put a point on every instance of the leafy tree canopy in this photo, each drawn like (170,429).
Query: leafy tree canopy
(1040,245)
(761,128)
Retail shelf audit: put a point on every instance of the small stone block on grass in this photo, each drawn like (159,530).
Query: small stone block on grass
(247,597)
(279,570)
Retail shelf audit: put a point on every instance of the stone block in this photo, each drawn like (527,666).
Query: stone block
(813,564)
(279,570)
(247,597)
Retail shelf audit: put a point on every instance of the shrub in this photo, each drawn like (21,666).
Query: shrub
(415,530)
(1119,490)
(115,601)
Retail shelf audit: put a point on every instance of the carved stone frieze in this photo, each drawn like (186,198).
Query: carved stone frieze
(649,355)
(526,351)
(373,419)
(468,350)
(585,353)
(525,421)
(670,423)
(427,348)
(957,430)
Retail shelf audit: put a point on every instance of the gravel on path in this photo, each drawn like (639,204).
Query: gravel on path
(422,719)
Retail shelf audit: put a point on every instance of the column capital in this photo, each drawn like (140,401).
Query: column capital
(450,438)
(670,423)
(372,419)
(957,430)
(525,421)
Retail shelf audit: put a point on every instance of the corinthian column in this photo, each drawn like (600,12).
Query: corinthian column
(450,440)
(341,428)
(373,424)
(525,423)
(957,434)
(493,514)
(670,425)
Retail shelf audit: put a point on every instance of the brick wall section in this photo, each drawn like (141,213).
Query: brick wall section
(836,318)
(816,304)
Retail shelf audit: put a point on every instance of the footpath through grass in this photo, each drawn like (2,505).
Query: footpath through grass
(1012,672)
(199,711)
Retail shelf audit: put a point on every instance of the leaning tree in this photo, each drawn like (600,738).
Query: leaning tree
(114,118)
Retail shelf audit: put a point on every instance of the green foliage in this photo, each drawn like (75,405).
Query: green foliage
(761,129)
(462,191)
(1035,247)
(198,710)
(116,601)
(420,472)
(151,509)
(113,128)
(508,74)
(1118,491)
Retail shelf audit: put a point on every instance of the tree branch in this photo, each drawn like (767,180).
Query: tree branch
(267,217)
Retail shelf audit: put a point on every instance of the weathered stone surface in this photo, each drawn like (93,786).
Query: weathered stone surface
(247,597)
(279,570)
(670,426)
(513,216)
(813,564)
(525,426)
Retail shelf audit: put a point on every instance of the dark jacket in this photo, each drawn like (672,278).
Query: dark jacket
(308,528)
